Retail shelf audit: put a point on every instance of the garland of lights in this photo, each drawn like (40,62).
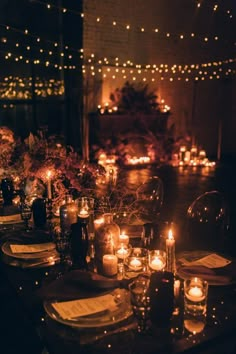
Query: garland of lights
(211,70)
(164,35)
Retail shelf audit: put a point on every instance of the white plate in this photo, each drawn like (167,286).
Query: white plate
(6,249)
(111,317)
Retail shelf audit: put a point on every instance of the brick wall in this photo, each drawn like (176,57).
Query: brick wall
(196,107)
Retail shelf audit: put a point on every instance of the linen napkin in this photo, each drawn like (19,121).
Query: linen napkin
(215,276)
(78,284)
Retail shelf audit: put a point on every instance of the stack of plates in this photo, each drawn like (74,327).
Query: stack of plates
(29,256)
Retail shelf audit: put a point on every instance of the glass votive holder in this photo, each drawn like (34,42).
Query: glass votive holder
(83,208)
(136,262)
(156,260)
(195,296)
(124,238)
(122,251)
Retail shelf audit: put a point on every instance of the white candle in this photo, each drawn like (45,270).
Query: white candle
(83,213)
(170,241)
(124,238)
(195,294)
(156,264)
(135,263)
(109,263)
(170,252)
(122,252)
(49,184)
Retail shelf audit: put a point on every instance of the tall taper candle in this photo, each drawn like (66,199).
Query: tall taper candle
(170,252)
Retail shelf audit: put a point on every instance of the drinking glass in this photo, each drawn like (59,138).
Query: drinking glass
(140,301)
(26,213)
(149,200)
(62,243)
(208,222)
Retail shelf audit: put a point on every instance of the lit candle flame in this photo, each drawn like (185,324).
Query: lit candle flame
(170,235)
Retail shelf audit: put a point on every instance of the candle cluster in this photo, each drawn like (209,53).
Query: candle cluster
(191,157)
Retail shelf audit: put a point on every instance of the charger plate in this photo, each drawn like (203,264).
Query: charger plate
(108,317)
(6,249)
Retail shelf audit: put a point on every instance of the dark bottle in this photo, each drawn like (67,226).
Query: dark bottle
(39,212)
(79,245)
(7,191)
(161,298)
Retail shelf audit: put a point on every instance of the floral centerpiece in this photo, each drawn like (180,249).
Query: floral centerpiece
(31,162)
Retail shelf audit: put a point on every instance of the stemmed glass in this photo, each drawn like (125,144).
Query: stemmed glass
(26,213)
(149,200)
(62,243)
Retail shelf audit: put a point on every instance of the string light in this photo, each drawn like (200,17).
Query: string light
(199,4)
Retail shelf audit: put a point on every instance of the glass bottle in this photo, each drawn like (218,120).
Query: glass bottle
(106,239)
(68,214)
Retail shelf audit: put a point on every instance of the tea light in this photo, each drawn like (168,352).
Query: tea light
(156,264)
(135,263)
(122,252)
(109,264)
(124,238)
(195,294)
(83,213)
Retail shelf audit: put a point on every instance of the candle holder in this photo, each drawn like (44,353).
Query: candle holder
(122,251)
(83,208)
(195,297)
(136,262)
(157,260)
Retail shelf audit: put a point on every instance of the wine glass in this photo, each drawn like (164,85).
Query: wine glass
(208,222)
(149,200)
(26,213)
(62,243)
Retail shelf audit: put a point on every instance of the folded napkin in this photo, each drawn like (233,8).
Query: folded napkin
(216,276)
(78,284)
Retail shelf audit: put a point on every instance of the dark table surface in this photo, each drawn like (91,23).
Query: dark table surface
(26,328)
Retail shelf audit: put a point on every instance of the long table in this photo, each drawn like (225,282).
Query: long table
(26,328)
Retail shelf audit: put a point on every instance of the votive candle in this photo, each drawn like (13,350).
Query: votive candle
(124,238)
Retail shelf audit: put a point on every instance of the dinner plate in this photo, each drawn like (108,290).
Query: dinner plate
(6,249)
(109,317)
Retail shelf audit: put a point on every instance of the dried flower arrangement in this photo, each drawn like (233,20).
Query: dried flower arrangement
(33,158)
